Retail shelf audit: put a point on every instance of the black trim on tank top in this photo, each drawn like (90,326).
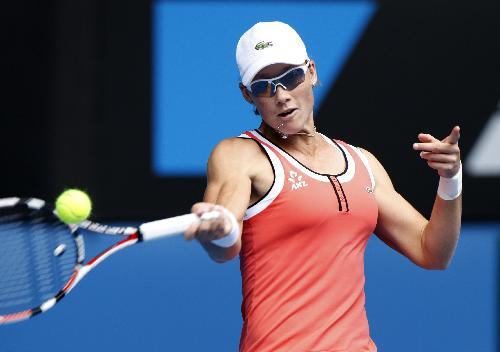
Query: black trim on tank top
(336,193)
(305,167)
(345,197)
(272,167)
(341,199)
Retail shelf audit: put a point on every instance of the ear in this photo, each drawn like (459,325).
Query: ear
(246,94)
(313,73)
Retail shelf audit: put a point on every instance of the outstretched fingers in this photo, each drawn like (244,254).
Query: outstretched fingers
(441,155)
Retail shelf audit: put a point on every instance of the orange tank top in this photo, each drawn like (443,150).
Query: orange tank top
(302,256)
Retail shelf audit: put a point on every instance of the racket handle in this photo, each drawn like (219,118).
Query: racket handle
(167,227)
(172,226)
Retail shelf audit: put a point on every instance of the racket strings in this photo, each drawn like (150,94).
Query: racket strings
(31,270)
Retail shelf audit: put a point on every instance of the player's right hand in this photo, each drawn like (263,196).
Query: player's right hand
(209,228)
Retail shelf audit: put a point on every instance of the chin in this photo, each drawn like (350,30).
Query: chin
(293,127)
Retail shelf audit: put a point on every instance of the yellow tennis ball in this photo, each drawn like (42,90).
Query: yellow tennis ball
(73,206)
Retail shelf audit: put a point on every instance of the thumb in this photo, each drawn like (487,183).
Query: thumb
(454,136)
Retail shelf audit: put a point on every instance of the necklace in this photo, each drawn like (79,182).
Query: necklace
(308,134)
(283,135)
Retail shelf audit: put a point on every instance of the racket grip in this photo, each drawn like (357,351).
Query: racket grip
(167,227)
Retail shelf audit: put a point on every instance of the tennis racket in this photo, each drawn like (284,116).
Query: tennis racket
(42,258)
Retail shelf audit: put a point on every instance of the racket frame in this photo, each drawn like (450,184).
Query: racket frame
(148,231)
(80,270)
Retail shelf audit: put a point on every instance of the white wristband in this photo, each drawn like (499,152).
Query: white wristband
(232,237)
(450,188)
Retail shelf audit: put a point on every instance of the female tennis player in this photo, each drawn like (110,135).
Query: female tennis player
(299,208)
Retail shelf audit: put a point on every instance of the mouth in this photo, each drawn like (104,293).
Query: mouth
(287,113)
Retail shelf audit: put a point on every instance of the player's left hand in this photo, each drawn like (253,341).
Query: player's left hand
(444,155)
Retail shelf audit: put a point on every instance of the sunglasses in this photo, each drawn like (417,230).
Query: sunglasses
(288,80)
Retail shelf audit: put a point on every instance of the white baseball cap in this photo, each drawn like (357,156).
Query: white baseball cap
(268,43)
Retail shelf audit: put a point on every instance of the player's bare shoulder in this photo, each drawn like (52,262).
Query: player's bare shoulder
(237,155)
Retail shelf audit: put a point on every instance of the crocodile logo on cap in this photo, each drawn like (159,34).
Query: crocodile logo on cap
(263,45)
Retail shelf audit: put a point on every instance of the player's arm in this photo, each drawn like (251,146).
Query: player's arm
(428,243)
(228,186)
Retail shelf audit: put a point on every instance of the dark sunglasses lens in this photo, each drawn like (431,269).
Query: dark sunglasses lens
(260,89)
(290,81)
(293,79)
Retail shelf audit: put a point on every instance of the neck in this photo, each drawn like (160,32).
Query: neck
(307,134)
(305,141)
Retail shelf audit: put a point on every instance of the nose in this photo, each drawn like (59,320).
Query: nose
(282,95)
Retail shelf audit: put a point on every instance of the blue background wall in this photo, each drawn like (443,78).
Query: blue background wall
(85,108)
(195,77)
(168,296)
